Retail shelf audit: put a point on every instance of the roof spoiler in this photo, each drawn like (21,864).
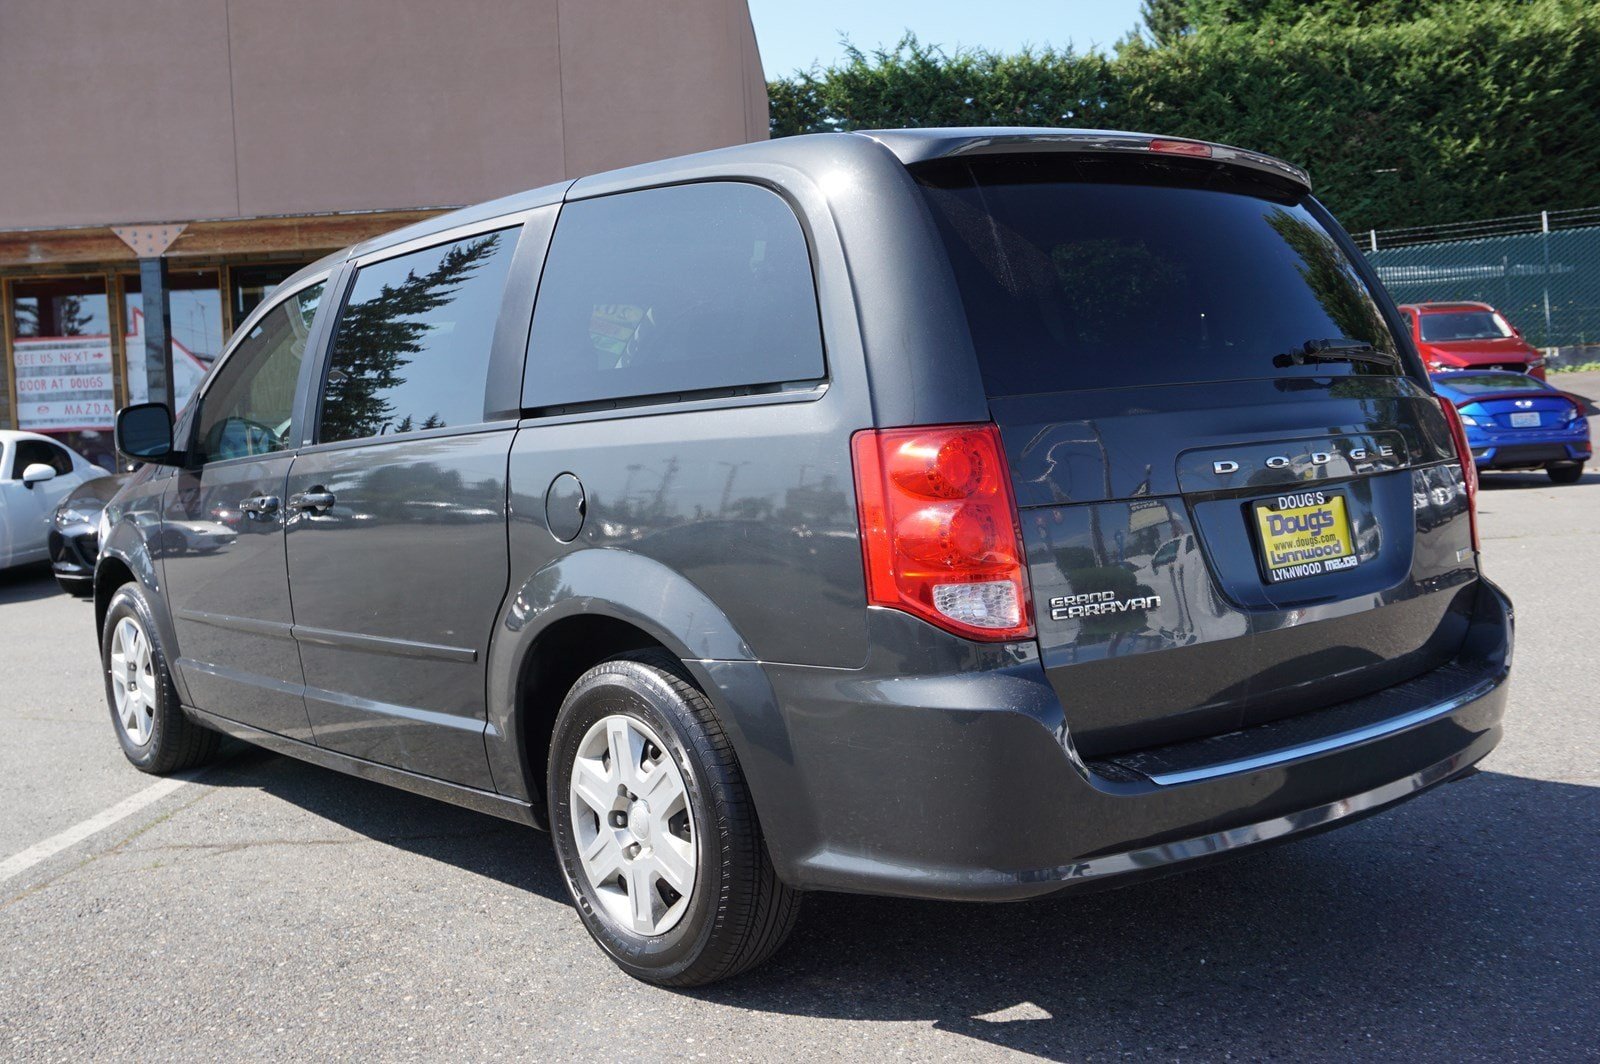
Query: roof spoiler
(923,145)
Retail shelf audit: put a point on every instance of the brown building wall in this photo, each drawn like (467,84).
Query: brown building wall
(174,110)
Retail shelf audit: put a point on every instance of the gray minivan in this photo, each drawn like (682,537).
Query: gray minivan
(960,514)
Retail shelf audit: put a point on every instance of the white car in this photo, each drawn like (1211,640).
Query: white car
(36,473)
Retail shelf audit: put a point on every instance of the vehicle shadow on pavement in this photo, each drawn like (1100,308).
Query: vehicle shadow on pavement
(28,583)
(1461,924)
(1454,925)
(513,854)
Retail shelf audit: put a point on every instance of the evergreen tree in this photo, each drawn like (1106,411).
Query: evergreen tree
(1165,20)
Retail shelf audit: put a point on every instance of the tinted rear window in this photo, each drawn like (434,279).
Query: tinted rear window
(672,290)
(1483,384)
(1088,273)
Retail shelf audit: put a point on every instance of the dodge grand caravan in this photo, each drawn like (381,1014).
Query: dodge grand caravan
(957,514)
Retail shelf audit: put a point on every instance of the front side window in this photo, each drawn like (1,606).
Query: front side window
(250,403)
(673,290)
(38,452)
(413,345)
(1444,326)
(1080,272)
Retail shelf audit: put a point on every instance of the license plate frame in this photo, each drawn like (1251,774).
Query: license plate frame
(1313,536)
(1525,419)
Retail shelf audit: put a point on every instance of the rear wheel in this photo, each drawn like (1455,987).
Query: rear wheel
(156,735)
(1567,473)
(655,831)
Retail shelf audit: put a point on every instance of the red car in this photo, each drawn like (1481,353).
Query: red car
(1469,336)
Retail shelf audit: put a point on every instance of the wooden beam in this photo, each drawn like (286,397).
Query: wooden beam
(319,233)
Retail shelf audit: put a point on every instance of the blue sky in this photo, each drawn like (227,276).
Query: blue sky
(795,33)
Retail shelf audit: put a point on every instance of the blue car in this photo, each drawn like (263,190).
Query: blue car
(1515,421)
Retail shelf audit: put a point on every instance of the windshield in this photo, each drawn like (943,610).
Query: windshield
(1082,272)
(1464,325)
(1484,383)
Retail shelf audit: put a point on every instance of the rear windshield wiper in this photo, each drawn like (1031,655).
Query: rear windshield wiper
(1337,350)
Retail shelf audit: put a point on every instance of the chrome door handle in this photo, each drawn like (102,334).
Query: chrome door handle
(259,506)
(314,501)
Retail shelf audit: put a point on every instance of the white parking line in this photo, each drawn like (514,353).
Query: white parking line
(39,851)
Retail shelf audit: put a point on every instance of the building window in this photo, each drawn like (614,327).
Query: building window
(61,353)
(197,339)
(249,285)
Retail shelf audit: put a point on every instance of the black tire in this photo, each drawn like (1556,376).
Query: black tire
(76,586)
(1566,473)
(175,741)
(739,912)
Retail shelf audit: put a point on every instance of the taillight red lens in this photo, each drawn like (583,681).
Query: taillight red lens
(1191,148)
(939,531)
(1469,468)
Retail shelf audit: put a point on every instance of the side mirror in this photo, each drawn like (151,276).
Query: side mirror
(37,473)
(144,433)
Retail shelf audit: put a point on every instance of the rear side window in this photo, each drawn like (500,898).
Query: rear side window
(673,290)
(413,344)
(1081,273)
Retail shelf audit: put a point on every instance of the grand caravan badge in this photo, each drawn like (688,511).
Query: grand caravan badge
(1099,604)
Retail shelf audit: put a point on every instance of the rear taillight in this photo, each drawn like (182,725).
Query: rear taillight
(939,528)
(1469,469)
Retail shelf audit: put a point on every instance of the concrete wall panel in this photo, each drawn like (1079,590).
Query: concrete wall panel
(114,111)
(174,110)
(621,110)
(393,103)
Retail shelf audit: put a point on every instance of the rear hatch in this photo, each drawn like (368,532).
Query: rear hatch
(1233,511)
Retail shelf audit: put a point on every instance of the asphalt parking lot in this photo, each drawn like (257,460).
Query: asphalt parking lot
(268,908)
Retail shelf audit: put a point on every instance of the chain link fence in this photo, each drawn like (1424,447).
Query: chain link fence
(1542,271)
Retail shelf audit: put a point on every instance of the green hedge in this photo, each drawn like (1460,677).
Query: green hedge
(1476,110)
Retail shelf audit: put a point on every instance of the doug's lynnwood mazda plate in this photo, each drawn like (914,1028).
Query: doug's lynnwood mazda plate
(1305,534)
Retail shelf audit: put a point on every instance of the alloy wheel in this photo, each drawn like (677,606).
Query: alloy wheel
(133,681)
(634,830)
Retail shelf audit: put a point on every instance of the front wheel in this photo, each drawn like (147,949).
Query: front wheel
(1566,473)
(655,831)
(156,735)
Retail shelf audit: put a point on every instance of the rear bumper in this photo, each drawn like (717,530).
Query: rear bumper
(964,784)
(1529,451)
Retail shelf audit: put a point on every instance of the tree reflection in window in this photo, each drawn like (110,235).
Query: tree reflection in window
(412,347)
(1334,282)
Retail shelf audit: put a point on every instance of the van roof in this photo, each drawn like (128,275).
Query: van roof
(909,146)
